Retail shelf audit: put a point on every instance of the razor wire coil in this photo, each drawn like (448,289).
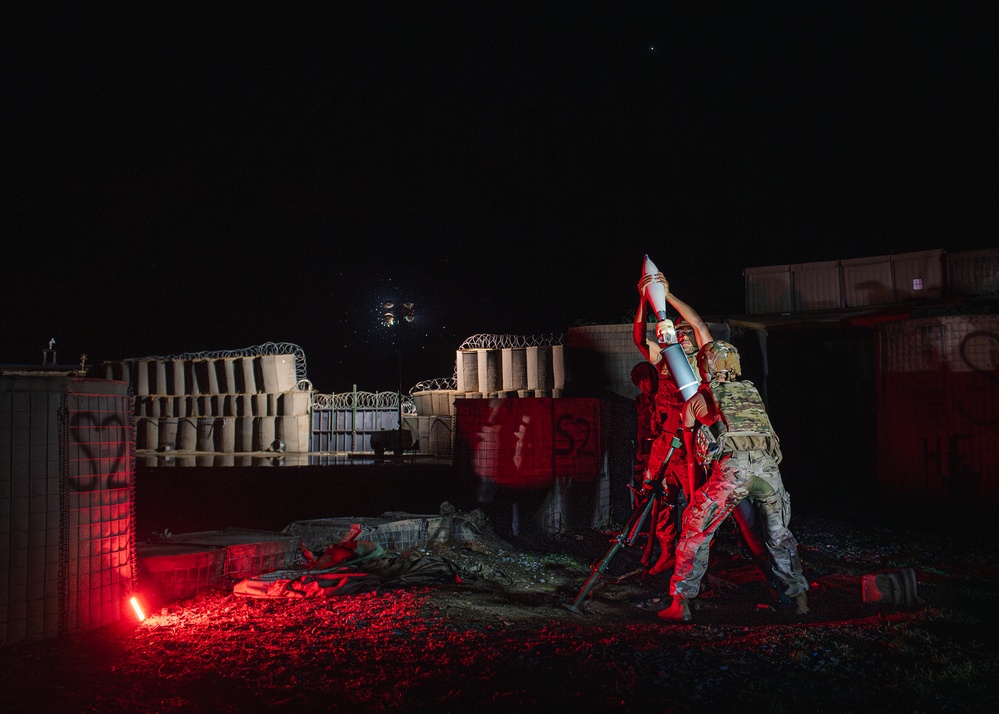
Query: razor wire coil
(484,341)
(267,349)
(438,384)
(362,400)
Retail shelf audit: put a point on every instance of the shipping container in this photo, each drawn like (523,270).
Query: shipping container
(974,273)
(919,275)
(868,281)
(937,387)
(768,290)
(816,286)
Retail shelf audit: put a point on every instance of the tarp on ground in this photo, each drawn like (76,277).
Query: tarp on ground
(369,569)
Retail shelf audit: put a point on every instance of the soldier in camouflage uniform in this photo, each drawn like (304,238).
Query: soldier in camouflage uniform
(691,331)
(740,452)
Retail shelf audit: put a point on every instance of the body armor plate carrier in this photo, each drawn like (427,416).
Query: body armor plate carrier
(745,425)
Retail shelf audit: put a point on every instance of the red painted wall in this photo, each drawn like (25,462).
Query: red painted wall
(938,407)
(527,442)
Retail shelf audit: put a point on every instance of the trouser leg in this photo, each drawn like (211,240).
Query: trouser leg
(665,533)
(775,504)
(711,504)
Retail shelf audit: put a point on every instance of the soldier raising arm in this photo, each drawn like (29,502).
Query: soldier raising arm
(677,488)
(743,465)
(688,315)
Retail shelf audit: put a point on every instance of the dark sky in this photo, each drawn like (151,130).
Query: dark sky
(184,180)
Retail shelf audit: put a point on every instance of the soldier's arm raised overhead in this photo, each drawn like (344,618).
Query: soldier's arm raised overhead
(638,331)
(650,350)
(689,314)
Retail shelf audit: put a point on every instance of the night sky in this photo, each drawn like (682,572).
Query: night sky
(183,180)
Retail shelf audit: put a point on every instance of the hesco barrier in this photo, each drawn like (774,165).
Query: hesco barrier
(938,407)
(510,371)
(67,532)
(258,399)
(238,401)
(182,565)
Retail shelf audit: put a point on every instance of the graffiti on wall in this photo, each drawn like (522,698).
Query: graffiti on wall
(528,442)
(938,407)
(979,351)
(99,439)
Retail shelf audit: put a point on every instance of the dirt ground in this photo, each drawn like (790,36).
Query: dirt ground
(499,636)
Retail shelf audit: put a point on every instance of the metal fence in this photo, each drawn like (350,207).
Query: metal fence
(345,422)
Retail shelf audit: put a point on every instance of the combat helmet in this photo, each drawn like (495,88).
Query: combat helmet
(646,370)
(716,357)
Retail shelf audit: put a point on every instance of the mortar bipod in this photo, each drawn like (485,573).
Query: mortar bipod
(629,533)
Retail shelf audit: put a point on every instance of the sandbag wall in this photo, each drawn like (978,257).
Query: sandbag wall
(221,405)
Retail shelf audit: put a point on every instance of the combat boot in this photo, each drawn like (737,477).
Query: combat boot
(663,565)
(678,611)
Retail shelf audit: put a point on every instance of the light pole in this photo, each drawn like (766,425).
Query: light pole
(392,316)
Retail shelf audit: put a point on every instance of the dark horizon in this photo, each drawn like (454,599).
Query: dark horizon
(187,180)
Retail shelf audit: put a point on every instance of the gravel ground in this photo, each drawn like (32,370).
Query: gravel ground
(499,637)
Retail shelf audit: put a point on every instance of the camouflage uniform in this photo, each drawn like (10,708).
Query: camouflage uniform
(745,465)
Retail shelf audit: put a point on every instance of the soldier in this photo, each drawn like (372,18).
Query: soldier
(741,461)
(645,377)
(691,331)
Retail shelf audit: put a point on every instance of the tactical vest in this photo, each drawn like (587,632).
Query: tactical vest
(745,425)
